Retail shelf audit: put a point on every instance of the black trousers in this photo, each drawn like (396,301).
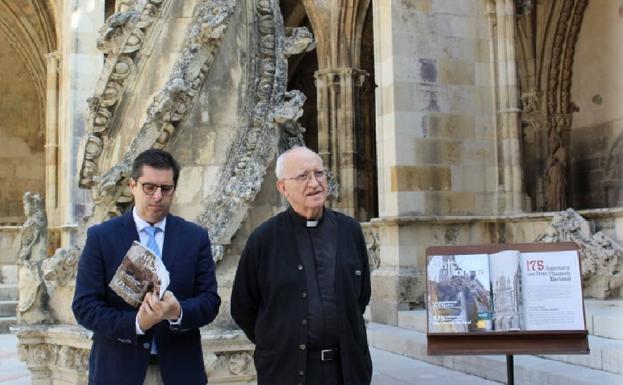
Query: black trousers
(323,372)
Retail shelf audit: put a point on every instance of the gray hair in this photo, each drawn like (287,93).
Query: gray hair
(279,164)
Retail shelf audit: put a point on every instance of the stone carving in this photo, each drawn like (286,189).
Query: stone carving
(34,231)
(613,183)
(333,185)
(105,190)
(373,246)
(601,257)
(297,41)
(531,102)
(122,37)
(61,268)
(239,363)
(45,358)
(32,305)
(556,174)
(561,65)
(286,117)
(523,6)
(225,364)
(114,31)
(210,21)
(255,146)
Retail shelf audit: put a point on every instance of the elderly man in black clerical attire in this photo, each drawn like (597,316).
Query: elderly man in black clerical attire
(302,285)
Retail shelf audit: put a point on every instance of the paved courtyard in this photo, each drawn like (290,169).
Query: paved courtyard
(389,369)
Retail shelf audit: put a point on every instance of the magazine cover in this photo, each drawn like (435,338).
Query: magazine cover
(140,271)
(506,290)
(459,293)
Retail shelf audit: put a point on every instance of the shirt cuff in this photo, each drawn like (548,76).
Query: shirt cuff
(139,332)
(178,321)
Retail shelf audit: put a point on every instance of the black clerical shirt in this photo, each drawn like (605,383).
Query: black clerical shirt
(316,241)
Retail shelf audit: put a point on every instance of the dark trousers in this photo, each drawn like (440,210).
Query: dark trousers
(323,372)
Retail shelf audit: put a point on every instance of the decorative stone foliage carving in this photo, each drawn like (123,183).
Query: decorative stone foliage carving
(286,117)
(297,41)
(61,268)
(228,356)
(121,37)
(48,350)
(255,146)
(240,363)
(601,256)
(32,305)
(168,107)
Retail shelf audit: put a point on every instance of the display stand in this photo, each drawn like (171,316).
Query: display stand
(507,343)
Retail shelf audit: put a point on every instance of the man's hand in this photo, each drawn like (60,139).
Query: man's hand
(168,308)
(146,316)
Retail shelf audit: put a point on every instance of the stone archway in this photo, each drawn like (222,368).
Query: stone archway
(547,33)
(338,80)
(27,36)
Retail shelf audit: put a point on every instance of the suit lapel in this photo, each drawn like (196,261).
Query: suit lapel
(171,238)
(128,230)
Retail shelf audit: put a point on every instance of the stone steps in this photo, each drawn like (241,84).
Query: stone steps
(529,370)
(8,308)
(8,292)
(8,304)
(6,322)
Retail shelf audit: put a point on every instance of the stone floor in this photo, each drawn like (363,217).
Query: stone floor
(389,369)
(12,370)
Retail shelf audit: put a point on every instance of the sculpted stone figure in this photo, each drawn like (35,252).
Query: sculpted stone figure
(32,305)
(555,178)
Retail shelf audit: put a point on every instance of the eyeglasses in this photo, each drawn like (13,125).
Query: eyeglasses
(150,188)
(305,177)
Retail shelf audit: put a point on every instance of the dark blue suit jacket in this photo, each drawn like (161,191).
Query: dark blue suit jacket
(118,355)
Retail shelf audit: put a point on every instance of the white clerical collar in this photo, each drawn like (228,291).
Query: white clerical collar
(312,223)
(141,223)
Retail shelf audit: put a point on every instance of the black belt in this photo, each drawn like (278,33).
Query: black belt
(324,354)
(153,359)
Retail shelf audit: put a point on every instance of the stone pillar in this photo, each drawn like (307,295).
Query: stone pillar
(337,27)
(338,95)
(51,135)
(436,137)
(508,112)
(80,69)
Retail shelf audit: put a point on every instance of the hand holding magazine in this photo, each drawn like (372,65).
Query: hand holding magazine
(140,272)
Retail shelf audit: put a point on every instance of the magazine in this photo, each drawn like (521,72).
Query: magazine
(140,272)
(505,291)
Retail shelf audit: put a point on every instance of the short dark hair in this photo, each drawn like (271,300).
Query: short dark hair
(158,159)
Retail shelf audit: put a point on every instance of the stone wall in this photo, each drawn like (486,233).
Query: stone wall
(597,91)
(10,238)
(22,137)
(436,142)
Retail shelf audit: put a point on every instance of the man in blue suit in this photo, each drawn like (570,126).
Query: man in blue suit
(159,342)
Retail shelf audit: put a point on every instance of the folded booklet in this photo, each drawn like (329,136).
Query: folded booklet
(140,272)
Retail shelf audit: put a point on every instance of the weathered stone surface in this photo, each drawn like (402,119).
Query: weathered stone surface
(32,305)
(601,256)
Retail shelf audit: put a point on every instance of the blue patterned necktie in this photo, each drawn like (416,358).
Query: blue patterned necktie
(151,239)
